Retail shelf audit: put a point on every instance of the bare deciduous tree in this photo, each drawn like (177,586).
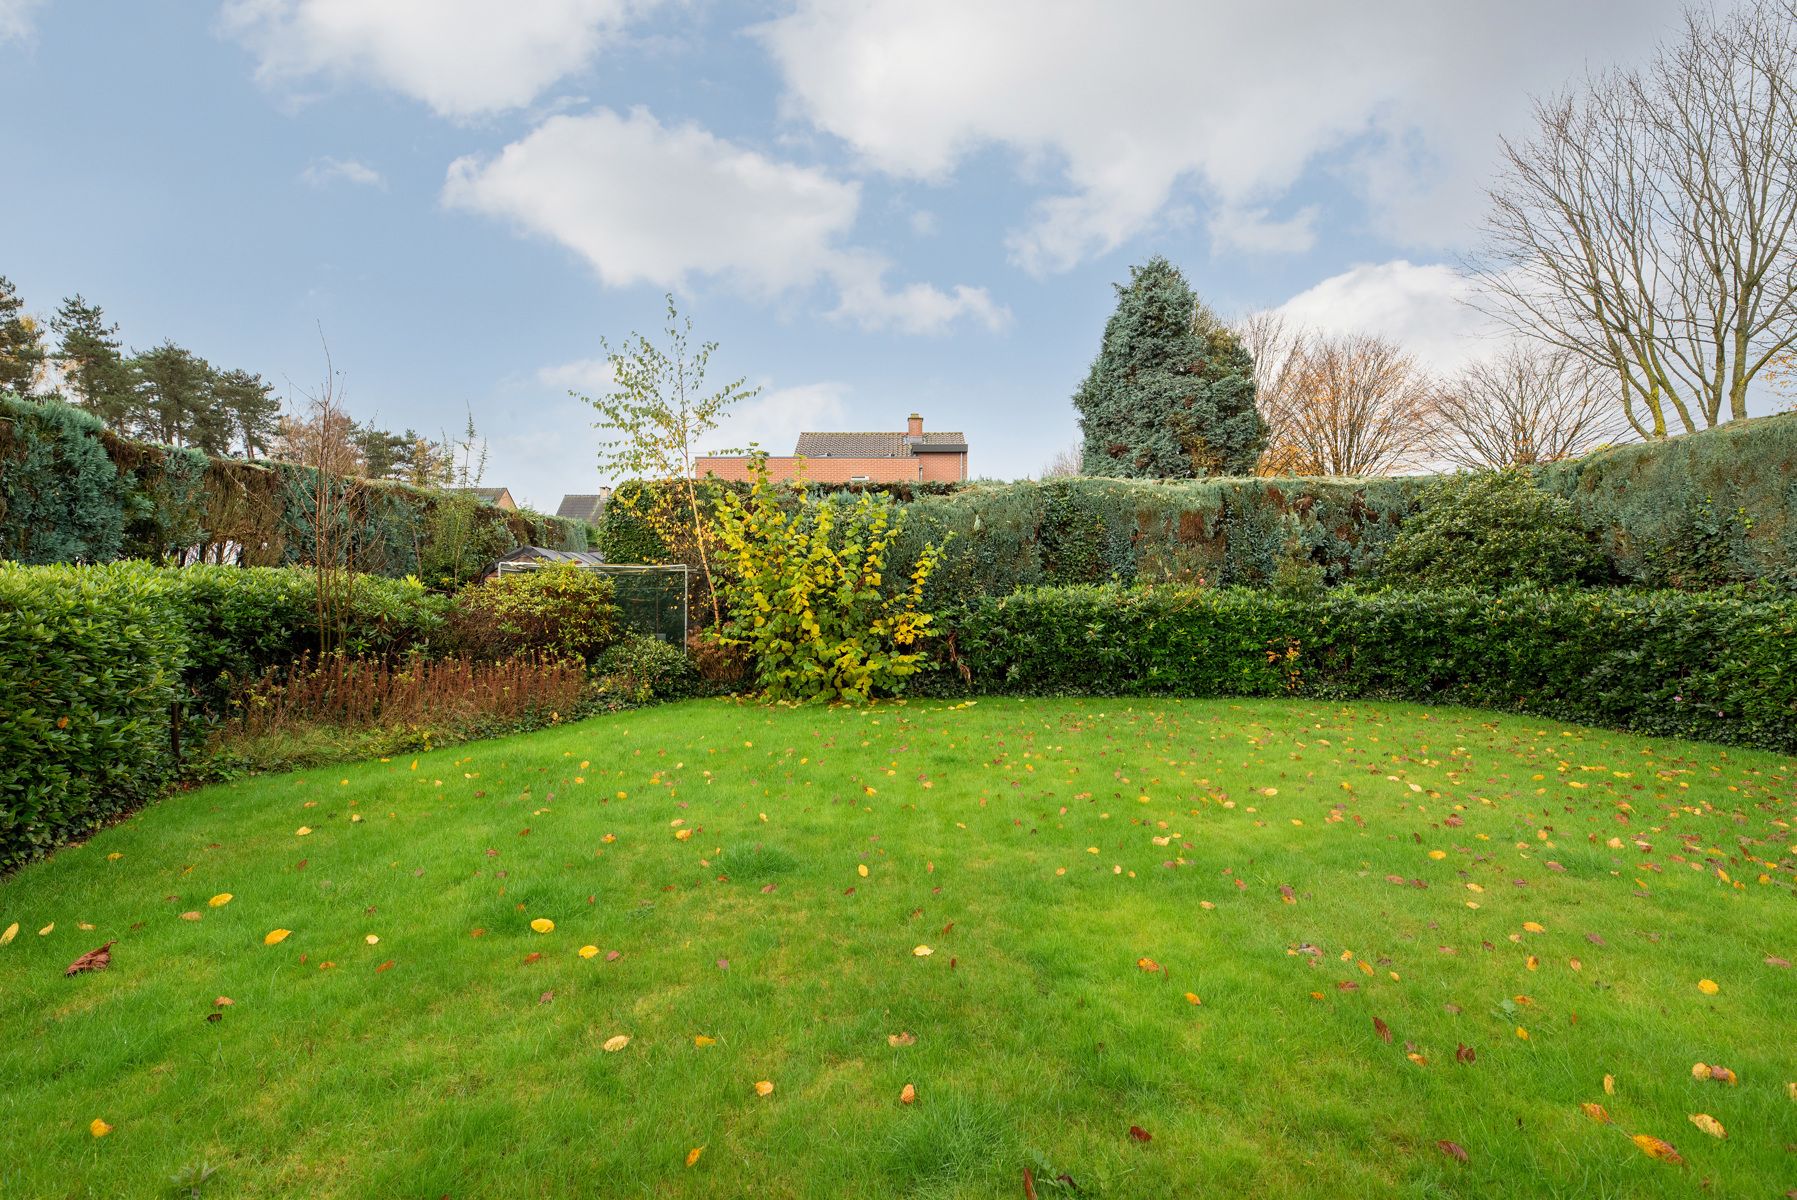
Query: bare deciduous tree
(1066,463)
(1528,404)
(1650,225)
(1343,404)
(1278,347)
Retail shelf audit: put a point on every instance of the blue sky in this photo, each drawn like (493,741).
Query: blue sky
(875,207)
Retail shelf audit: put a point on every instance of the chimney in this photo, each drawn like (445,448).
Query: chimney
(914,429)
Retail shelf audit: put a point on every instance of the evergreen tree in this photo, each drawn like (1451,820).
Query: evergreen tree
(383,451)
(426,463)
(1171,393)
(93,366)
(21,343)
(246,404)
(175,401)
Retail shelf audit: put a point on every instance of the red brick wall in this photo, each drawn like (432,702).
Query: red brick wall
(947,467)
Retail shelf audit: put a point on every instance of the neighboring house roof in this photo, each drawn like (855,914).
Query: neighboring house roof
(490,495)
(591,558)
(878,445)
(584,507)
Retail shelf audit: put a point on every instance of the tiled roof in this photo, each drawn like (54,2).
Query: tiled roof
(583,506)
(872,445)
(490,495)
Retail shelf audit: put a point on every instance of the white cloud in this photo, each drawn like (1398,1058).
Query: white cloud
(461,57)
(16,23)
(647,203)
(325,171)
(775,418)
(1423,308)
(1255,231)
(589,376)
(1130,104)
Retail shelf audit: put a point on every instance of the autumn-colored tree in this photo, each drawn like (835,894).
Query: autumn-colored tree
(657,412)
(1346,404)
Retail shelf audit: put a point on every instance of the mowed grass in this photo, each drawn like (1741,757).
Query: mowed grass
(1300,868)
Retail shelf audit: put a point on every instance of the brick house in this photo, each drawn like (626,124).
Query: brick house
(909,457)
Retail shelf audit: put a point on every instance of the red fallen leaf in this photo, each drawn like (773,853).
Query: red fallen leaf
(948,929)
(613,955)
(533,956)
(478,933)
(1397,879)
(93,960)
(386,966)
(1383,1030)
(525,832)
(1595,940)
(723,964)
(1347,985)
(1772,960)
(848,891)
(1140,1134)
(1029,1185)
(1240,886)
(1452,1149)
(547,997)
(766,888)
(1285,893)
(951,962)
(1464,1053)
(300,865)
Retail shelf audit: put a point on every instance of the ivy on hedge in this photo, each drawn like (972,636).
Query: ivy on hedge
(72,491)
(1713,666)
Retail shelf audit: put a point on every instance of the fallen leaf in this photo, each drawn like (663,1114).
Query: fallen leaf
(723,964)
(764,1088)
(1464,1053)
(692,1156)
(1596,1112)
(1383,1030)
(372,939)
(223,1002)
(547,997)
(1708,987)
(533,956)
(12,931)
(543,925)
(1522,1033)
(1140,1134)
(701,1041)
(1709,1125)
(220,900)
(616,1043)
(1772,960)
(1653,1147)
(923,951)
(862,870)
(1192,998)
(908,1094)
(386,966)
(613,955)
(45,931)
(98,1128)
(589,951)
(1148,964)
(276,935)
(1609,1085)
(901,1039)
(1452,1149)
(302,831)
(1534,927)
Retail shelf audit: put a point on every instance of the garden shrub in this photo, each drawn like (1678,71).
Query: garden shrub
(808,595)
(1718,667)
(61,499)
(559,609)
(90,662)
(1490,530)
(642,668)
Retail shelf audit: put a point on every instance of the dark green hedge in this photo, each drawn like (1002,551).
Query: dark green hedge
(90,665)
(71,491)
(1699,665)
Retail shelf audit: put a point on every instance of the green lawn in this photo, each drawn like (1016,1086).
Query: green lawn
(1314,874)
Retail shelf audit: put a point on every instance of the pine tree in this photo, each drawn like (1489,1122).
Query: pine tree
(246,404)
(383,452)
(93,366)
(175,401)
(1171,393)
(21,343)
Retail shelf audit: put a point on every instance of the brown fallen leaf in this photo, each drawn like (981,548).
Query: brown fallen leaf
(223,1002)
(533,956)
(93,960)
(1383,1030)
(1464,1053)
(1140,1134)
(1148,964)
(908,1095)
(190,916)
(1596,1112)
(1453,1150)
(901,1039)
(386,966)
(1029,1185)
(1772,960)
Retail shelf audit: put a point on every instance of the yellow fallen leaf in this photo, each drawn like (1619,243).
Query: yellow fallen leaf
(372,939)
(588,951)
(1700,1070)
(220,900)
(98,1128)
(276,935)
(1533,963)
(302,831)
(862,870)
(764,1088)
(1534,926)
(923,951)
(908,1095)
(701,1041)
(692,1156)
(12,931)
(45,931)
(1791,1089)
(114,856)
(1522,1033)
(1438,855)
(1609,1085)
(682,834)
(1192,998)
(543,925)
(1709,1125)
(1708,987)
(1653,1147)
(615,1044)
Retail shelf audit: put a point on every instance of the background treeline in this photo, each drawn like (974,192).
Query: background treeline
(72,490)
